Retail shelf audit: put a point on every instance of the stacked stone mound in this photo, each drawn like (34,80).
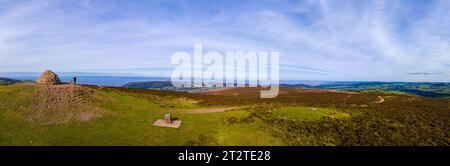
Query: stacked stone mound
(48,78)
(59,104)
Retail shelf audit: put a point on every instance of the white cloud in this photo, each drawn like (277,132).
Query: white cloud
(320,40)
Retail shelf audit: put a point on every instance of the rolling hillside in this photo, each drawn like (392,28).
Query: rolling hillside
(424,89)
(91,115)
(7,80)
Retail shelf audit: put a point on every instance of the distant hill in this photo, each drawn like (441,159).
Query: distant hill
(165,85)
(296,86)
(8,80)
(424,89)
(150,85)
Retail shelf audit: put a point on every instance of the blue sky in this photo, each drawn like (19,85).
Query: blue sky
(318,40)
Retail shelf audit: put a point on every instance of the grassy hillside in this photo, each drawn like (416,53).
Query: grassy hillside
(90,115)
(123,119)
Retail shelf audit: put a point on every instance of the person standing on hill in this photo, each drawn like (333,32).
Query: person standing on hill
(74,80)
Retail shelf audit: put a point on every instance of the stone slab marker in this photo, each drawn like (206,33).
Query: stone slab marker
(168,118)
(167,122)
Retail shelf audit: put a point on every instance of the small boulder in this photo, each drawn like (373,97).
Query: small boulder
(48,78)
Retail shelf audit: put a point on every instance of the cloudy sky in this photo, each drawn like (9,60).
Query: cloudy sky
(389,40)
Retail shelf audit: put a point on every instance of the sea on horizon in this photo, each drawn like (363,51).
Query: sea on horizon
(99,80)
(122,80)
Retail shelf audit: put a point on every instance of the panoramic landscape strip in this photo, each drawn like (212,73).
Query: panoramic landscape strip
(225,81)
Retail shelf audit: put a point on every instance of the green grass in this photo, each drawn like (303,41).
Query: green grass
(388,92)
(308,113)
(290,119)
(127,121)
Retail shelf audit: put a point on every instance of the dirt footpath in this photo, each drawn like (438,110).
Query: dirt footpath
(208,110)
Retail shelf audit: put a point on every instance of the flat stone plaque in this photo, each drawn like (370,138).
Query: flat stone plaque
(163,123)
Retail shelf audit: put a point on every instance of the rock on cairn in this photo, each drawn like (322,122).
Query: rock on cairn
(48,78)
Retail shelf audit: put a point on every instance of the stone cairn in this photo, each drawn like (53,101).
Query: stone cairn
(48,78)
